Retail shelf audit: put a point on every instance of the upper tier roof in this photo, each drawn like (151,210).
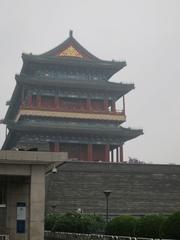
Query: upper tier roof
(70,48)
(72,52)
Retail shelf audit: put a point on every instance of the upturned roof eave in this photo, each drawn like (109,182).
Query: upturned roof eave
(10,139)
(13,101)
(16,127)
(93,84)
(59,128)
(116,65)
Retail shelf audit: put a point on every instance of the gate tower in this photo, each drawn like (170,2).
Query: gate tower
(63,102)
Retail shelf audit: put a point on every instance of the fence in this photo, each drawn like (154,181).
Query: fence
(79,236)
(4,237)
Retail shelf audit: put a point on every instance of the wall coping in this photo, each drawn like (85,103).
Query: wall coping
(30,157)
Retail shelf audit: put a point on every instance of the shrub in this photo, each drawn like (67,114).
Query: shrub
(92,223)
(74,222)
(68,222)
(122,225)
(149,226)
(50,221)
(171,227)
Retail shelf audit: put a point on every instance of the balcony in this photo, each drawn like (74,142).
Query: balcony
(77,109)
(71,112)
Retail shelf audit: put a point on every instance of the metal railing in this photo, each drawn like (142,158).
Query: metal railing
(80,236)
(4,237)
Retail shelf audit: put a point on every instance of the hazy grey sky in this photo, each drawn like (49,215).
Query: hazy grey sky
(145,33)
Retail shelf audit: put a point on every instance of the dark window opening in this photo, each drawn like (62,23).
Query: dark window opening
(2,193)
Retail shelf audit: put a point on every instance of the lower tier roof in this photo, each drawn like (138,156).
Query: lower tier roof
(119,134)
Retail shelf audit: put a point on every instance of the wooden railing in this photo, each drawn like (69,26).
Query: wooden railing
(72,109)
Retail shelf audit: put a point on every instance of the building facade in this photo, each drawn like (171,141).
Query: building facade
(22,192)
(63,102)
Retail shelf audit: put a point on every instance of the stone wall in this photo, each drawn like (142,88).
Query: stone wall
(137,189)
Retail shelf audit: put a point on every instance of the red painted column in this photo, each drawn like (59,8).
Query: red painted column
(38,100)
(113,106)
(30,100)
(106,104)
(121,153)
(90,152)
(89,104)
(56,101)
(60,102)
(106,152)
(56,147)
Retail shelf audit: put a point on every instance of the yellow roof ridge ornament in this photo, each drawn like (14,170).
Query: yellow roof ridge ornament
(70,52)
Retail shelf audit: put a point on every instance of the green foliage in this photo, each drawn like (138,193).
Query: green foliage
(50,221)
(74,222)
(92,223)
(149,226)
(68,223)
(122,225)
(171,227)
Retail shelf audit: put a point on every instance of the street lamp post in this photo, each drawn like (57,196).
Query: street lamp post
(107,194)
(53,208)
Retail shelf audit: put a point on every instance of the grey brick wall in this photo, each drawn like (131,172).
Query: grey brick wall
(136,188)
